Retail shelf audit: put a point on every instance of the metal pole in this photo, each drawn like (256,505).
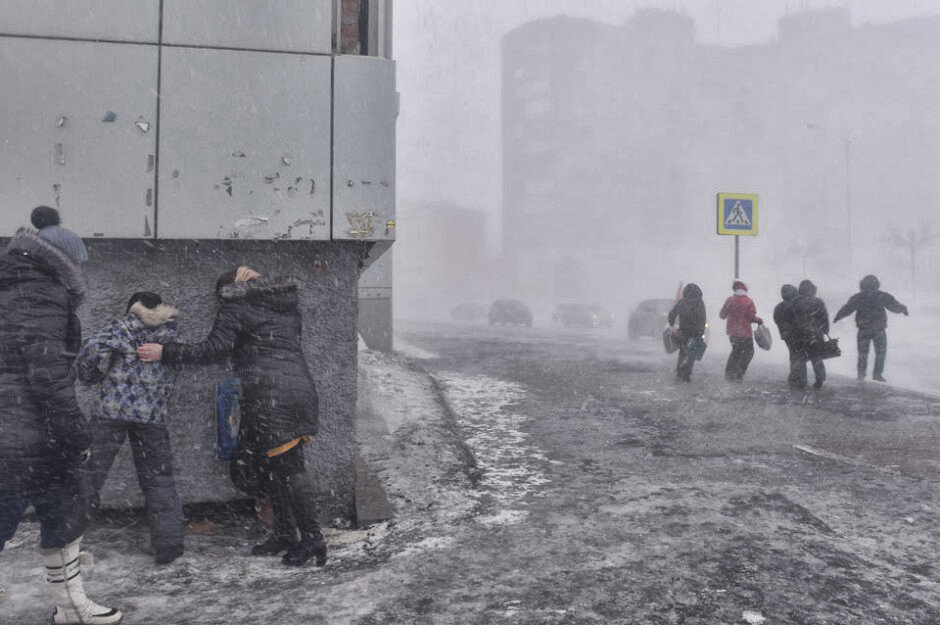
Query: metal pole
(737,263)
(848,199)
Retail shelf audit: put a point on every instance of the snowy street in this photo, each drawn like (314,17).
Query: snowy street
(544,477)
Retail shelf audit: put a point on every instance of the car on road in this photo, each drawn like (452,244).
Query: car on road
(510,312)
(583,316)
(649,318)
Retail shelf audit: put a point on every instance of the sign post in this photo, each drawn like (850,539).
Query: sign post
(737,215)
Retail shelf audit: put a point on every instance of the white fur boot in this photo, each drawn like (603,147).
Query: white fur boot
(72,607)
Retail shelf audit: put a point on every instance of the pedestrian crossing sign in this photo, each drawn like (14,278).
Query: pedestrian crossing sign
(737,214)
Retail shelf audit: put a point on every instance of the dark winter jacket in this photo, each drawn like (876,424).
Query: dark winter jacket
(129,389)
(740,312)
(869,306)
(258,325)
(783,312)
(690,311)
(810,317)
(42,430)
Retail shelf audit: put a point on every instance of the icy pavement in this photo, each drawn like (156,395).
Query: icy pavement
(541,483)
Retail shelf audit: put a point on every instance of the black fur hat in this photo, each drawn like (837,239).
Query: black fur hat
(148,299)
(43,216)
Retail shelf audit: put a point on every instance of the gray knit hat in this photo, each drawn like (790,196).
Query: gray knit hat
(67,241)
(46,220)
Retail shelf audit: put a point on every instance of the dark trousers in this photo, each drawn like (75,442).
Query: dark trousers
(150,447)
(61,504)
(798,360)
(283,480)
(865,338)
(742,351)
(685,362)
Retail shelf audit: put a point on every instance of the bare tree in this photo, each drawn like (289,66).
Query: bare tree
(913,241)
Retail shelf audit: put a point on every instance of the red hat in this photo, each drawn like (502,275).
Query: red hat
(738,285)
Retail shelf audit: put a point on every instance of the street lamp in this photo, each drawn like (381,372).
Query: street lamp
(847,145)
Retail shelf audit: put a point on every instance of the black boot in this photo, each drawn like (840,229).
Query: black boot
(309,546)
(304,503)
(285,531)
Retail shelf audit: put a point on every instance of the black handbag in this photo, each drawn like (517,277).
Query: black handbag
(824,349)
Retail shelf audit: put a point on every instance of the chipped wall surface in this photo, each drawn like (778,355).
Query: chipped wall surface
(245,139)
(76,137)
(234,120)
(365,108)
(184,273)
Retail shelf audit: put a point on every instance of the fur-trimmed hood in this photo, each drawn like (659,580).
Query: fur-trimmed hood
(65,271)
(154,317)
(279,293)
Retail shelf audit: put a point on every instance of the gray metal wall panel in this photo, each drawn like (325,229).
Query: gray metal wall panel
(378,274)
(365,109)
(292,25)
(120,20)
(57,149)
(244,145)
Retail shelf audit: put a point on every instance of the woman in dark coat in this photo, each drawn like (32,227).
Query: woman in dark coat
(690,313)
(258,325)
(44,437)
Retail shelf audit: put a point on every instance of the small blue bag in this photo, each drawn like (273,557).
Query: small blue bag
(695,347)
(227,417)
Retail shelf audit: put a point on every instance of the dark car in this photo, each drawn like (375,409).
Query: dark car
(649,318)
(583,316)
(510,312)
(468,311)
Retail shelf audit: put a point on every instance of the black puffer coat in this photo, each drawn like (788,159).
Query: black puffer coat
(869,306)
(690,311)
(783,312)
(810,317)
(259,325)
(42,429)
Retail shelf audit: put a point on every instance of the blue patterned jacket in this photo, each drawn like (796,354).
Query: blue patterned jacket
(128,389)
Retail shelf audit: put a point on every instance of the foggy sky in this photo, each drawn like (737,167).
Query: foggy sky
(448,58)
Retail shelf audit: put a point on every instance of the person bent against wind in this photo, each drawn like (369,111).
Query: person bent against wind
(690,313)
(869,306)
(44,438)
(740,312)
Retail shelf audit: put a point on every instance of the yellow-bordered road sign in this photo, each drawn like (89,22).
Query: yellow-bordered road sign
(737,214)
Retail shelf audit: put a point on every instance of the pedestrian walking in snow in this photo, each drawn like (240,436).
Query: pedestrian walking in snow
(44,437)
(810,327)
(132,404)
(783,317)
(869,306)
(689,311)
(740,312)
(258,325)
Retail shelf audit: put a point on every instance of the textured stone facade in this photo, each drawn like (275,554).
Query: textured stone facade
(184,273)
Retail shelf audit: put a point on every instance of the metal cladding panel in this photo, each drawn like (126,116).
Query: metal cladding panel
(289,25)
(244,145)
(365,109)
(378,275)
(116,20)
(78,133)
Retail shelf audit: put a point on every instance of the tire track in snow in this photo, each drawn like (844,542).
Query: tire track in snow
(509,463)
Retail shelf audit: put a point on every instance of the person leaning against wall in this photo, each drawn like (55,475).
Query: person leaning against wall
(44,437)
(258,325)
